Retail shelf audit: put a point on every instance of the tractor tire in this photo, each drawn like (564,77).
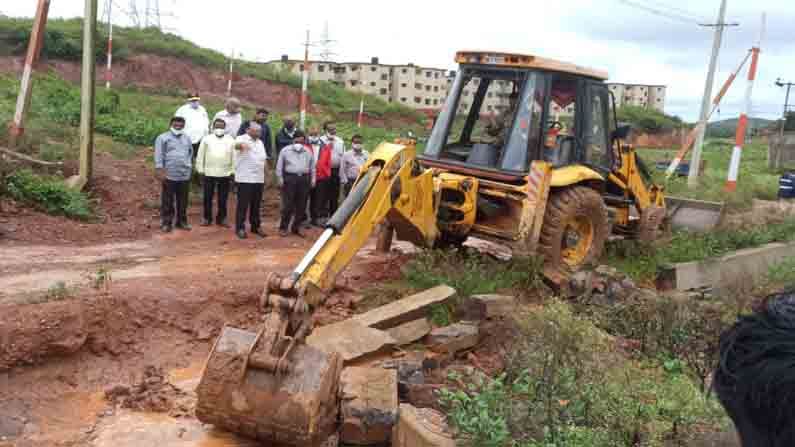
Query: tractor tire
(574,232)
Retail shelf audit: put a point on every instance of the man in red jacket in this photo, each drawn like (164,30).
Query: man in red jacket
(319,200)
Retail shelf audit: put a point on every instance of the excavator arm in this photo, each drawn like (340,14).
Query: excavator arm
(391,187)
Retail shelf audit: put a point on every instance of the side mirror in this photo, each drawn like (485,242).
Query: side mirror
(621,132)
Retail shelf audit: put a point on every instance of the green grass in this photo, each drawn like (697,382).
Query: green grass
(644,264)
(755,180)
(48,193)
(648,120)
(63,41)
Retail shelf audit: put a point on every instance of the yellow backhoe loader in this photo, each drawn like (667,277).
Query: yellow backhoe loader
(547,174)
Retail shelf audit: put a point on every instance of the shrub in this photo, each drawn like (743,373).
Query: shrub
(647,120)
(50,194)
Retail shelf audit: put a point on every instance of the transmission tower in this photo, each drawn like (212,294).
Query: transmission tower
(325,44)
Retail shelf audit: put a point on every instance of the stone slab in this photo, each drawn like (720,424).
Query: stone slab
(410,332)
(484,307)
(350,339)
(454,338)
(747,266)
(421,427)
(369,406)
(405,310)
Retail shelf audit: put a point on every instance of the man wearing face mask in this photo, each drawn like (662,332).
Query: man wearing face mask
(285,136)
(352,162)
(249,159)
(337,147)
(173,155)
(196,121)
(215,162)
(296,173)
(322,157)
(231,116)
(261,118)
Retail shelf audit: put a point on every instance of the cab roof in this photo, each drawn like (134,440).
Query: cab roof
(500,59)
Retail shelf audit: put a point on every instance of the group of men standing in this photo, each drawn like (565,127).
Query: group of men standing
(311,170)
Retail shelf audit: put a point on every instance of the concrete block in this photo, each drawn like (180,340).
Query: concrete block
(369,406)
(483,307)
(410,332)
(454,338)
(747,266)
(405,310)
(350,339)
(421,427)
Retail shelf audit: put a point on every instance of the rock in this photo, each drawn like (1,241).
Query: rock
(421,427)
(436,360)
(605,270)
(350,339)
(405,310)
(410,332)
(369,406)
(423,395)
(454,338)
(484,307)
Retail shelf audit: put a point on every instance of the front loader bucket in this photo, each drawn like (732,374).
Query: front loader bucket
(694,215)
(296,407)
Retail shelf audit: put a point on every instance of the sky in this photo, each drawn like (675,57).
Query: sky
(635,45)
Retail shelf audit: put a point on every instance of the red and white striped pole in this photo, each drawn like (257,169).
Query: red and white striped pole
(17,127)
(231,73)
(109,68)
(742,125)
(304,83)
(361,113)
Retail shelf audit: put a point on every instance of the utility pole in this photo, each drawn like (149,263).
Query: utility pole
(695,161)
(231,71)
(87,91)
(789,85)
(109,68)
(742,124)
(17,127)
(304,82)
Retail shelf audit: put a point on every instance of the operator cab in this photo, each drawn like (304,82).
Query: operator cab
(504,111)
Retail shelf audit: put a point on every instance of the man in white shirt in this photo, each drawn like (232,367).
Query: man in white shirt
(196,121)
(332,194)
(250,159)
(215,162)
(231,115)
(352,162)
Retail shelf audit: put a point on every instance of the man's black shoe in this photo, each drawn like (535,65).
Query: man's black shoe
(165,228)
(183,226)
(260,232)
(298,233)
(206,223)
(241,234)
(222,223)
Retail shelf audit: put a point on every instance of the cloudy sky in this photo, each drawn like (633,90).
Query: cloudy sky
(634,44)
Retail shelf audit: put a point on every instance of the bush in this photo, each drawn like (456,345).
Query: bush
(50,194)
(647,120)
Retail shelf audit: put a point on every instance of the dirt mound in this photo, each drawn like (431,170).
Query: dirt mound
(152,393)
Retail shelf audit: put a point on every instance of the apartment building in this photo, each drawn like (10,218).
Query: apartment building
(639,95)
(415,87)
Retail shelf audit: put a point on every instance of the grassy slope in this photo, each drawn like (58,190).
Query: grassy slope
(63,41)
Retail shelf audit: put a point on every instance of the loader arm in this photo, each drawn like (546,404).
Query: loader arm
(391,186)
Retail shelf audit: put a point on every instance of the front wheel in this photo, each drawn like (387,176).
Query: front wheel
(574,232)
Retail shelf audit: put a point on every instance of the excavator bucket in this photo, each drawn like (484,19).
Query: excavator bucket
(694,215)
(269,385)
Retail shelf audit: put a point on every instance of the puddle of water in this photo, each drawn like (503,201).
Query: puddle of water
(187,379)
(129,429)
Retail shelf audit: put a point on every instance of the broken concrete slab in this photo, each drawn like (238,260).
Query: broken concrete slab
(454,338)
(485,307)
(421,427)
(405,310)
(350,339)
(694,215)
(747,266)
(369,406)
(410,332)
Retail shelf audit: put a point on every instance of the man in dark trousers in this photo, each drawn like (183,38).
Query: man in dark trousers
(215,163)
(261,118)
(337,146)
(285,135)
(296,173)
(249,159)
(173,156)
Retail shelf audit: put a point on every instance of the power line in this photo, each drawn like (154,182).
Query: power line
(679,11)
(672,15)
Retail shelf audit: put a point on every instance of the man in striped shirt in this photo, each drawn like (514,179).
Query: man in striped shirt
(250,158)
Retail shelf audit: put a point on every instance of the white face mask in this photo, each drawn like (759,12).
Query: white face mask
(314,140)
(219,132)
(356,147)
(176,132)
(194,104)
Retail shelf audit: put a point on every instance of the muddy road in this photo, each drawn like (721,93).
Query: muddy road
(159,307)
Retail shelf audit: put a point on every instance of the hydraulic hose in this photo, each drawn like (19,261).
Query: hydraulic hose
(354,200)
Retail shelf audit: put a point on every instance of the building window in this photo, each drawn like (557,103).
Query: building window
(383,91)
(321,68)
(436,88)
(417,99)
(436,102)
(427,101)
(384,77)
(436,75)
(372,84)
(418,86)
(427,74)
(428,88)
(353,83)
(404,71)
(403,85)
(373,68)
(403,100)
(418,72)
(301,67)
(354,68)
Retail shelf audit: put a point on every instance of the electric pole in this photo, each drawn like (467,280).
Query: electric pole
(87,91)
(109,68)
(304,82)
(17,128)
(695,161)
(789,85)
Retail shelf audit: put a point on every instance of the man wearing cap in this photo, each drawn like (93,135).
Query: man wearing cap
(173,156)
(261,118)
(296,173)
(196,121)
(249,159)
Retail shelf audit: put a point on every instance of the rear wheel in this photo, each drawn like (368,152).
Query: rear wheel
(574,232)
